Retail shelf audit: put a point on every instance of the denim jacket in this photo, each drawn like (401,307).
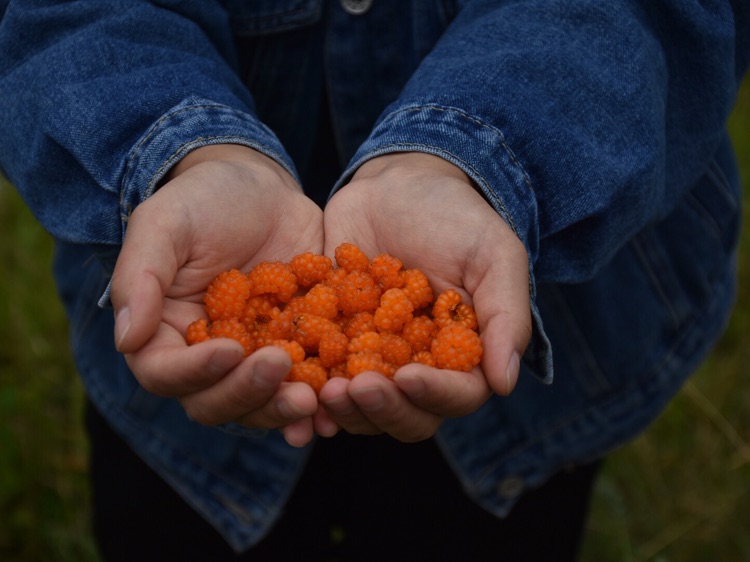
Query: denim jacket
(596,130)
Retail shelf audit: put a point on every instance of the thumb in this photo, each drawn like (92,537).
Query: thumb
(145,269)
(503,306)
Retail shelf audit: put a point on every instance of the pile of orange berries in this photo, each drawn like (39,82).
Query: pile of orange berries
(339,320)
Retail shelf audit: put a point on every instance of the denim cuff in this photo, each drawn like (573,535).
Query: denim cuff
(481,152)
(193,123)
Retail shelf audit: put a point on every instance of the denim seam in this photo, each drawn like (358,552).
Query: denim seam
(495,131)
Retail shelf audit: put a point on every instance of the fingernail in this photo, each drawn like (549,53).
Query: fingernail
(122,325)
(224,359)
(511,373)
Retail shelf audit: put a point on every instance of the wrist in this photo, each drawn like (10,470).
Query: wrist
(410,163)
(232,154)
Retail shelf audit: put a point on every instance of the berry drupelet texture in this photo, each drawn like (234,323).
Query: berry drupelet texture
(341,317)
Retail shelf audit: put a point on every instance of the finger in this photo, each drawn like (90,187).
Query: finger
(342,410)
(299,433)
(386,407)
(144,270)
(167,366)
(501,299)
(292,402)
(245,394)
(442,392)
(323,424)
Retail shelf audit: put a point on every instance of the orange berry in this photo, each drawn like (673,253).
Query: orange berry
(279,325)
(395,349)
(358,363)
(350,258)
(368,342)
(295,351)
(321,300)
(395,310)
(357,292)
(233,329)
(258,310)
(226,295)
(339,370)
(417,287)
(273,277)
(457,348)
(335,278)
(307,329)
(358,323)
(332,348)
(309,371)
(386,270)
(197,332)
(449,308)
(419,332)
(423,357)
(310,268)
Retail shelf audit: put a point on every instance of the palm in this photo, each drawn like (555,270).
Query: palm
(426,212)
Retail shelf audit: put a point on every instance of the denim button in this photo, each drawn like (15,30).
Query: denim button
(356,7)
(511,487)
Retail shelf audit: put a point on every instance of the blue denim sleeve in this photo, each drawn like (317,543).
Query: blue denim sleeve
(163,74)
(580,121)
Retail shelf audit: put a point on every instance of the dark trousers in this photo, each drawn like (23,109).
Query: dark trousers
(360,499)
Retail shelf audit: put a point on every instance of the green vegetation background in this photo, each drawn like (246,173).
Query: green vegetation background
(677,493)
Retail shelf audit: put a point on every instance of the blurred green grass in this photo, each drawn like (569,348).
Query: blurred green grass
(680,492)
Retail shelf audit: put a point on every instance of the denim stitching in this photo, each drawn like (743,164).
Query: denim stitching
(483,125)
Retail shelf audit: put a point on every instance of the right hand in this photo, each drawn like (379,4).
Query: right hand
(223,206)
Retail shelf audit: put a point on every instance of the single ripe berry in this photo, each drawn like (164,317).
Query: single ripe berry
(197,332)
(368,342)
(350,258)
(295,351)
(226,295)
(233,329)
(423,357)
(309,371)
(367,361)
(310,269)
(332,348)
(321,300)
(395,349)
(273,277)
(258,310)
(307,329)
(419,332)
(457,348)
(395,310)
(357,324)
(357,292)
(417,287)
(385,270)
(449,308)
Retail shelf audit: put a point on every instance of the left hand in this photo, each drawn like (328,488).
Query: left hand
(425,211)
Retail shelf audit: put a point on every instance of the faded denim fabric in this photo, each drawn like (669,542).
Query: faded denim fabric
(595,129)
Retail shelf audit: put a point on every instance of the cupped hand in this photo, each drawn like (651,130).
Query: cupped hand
(223,206)
(425,211)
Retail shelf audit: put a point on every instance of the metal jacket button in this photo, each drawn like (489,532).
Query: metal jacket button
(356,7)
